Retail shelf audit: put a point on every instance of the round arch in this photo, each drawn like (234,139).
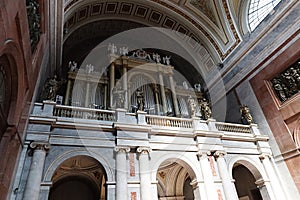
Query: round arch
(11,51)
(176,176)
(192,168)
(49,172)
(253,166)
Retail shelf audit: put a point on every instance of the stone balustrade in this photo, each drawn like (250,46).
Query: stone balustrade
(155,120)
(51,109)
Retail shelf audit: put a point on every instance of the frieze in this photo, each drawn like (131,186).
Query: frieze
(287,83)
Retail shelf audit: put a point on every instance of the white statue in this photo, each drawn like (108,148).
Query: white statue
(166,60)
(72,66)
(89,68)
(185,85)
(124,51)
(157,58)
(197,87)
(112,48)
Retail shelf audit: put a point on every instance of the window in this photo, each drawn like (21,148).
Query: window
(258,10)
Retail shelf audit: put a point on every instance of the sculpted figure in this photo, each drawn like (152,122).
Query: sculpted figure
(140,100)
(279,90)
(246,115)
(192,106)
(205,109)
(51,87)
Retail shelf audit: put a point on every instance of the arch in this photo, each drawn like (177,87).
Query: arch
(192,169)
(174,174)
(214,44)
(254,167)
(17,72)
(49,172)
(258,11)
(296,133)
(255,186)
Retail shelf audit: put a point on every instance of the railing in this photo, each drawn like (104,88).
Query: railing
(83,113)
(169,121)
(238,128)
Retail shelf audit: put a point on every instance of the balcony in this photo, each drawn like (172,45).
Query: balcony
(71,117)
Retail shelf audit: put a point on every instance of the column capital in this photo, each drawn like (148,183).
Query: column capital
(203,154)
(264,155)
(122,149)
(220,154)
(40,145)
(143,150)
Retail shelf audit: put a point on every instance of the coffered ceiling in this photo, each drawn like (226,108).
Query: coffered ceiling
(210,24)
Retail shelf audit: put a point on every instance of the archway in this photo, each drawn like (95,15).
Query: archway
(175,180)
(245,183)
(79,178)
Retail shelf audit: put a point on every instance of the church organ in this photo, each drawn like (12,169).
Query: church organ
(124,76)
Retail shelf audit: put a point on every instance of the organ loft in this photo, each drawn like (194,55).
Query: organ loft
(149,100)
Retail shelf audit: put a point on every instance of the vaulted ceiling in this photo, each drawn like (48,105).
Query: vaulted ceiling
(212,25)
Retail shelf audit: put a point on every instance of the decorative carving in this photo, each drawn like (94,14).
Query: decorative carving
(264,156)
(40,145)
(197,87)
(219,154)
(166,60)
(89,68)
(119,95)
(246,115)
(192,106)
(144,150)
(122,149)
(112,49)
(124,51)
(287,83)
(51,88)
(140,100)
(34,22)
(73,66)
(205,109)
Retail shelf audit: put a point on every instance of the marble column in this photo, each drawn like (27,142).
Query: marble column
(228,186)
(262,186)
(162,92)
(33,184)
(206,171)
(121,173)
(125,86)
(68,92)
(111,83)
(274,182)
(145,175)
(174,96)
